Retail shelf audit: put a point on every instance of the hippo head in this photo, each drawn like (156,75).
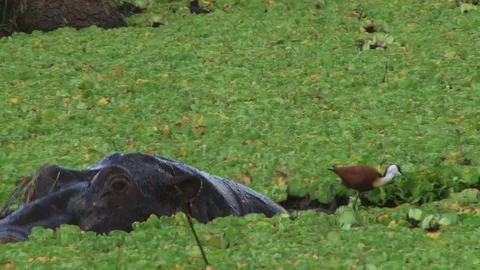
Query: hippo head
(112,200)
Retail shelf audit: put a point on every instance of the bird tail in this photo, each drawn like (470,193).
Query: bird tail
(332,169)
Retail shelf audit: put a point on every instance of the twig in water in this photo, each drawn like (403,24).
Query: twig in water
(187,214)
(461,159)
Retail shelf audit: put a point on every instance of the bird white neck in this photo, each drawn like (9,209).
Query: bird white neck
(387,178)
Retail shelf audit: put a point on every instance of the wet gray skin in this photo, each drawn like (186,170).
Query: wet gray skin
(124,188)
(48,212)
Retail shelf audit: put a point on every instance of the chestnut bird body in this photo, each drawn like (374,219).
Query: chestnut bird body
(365,178)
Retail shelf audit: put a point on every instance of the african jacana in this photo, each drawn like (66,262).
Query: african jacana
(196,9)
(365,178)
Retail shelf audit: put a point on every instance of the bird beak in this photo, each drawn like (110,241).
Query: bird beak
(404,175)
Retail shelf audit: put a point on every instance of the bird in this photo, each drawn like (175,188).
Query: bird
(196,9)
(364,178)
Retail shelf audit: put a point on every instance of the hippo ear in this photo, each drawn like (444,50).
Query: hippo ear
(189,185)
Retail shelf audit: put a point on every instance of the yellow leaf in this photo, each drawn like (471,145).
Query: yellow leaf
(433,234)
(449,54)
(245,178)
(86,156)
(104,101)
(454,205)
(14,100)
(280,181)
(198,129)
(166,130)
(199,120)
(178,267)
(123,107)
(43,259)
(185,83)
(240,265)
(9,266)
(308,181)
(314,77)
(141,81)
(252,165)
(382,217)
(184,153)
(336,73)
(450,35)
(392,224)
(131,145)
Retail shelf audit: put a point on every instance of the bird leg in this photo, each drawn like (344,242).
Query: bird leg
(355,202)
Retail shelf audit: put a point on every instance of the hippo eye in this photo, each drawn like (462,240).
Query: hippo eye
(119,185)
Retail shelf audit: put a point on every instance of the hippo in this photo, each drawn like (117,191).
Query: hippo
(125,188)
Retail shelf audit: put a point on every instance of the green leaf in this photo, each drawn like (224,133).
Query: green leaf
(465,7)
(345,217)
(415,214)
(49,115)
(333,237)
(427,222)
